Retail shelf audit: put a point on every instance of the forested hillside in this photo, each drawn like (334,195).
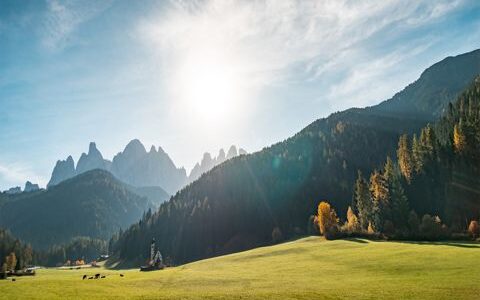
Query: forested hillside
(93,204)
(242,202)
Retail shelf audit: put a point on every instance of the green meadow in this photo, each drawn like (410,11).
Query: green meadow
(309,268)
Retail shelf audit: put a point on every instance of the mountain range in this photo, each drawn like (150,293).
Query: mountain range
(207,162)
(238,204)
(134,166)
(139,168)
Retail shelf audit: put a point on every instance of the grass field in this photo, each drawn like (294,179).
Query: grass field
(310,268)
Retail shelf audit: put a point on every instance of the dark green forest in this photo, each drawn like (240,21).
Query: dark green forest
(242,202)
(93,204)
(83,248)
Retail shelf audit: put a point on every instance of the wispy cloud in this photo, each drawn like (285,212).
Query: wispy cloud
(274,35)
(17,174)
(265,42)
(62,18)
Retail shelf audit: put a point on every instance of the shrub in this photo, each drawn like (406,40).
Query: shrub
(277,235)
(474,229)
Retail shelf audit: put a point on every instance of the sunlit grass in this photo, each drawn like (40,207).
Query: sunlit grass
(309,268)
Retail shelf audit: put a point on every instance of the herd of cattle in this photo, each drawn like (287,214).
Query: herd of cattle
(96,276)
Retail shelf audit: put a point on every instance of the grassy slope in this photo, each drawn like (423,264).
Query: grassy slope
(309,268)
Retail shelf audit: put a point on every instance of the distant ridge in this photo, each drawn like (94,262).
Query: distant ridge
(134,166)
(207,162)
(139,168)
(93,204)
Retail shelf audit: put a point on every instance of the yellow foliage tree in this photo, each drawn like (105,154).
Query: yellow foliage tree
(353,225)
(459,139)
(327,219)
(370,228)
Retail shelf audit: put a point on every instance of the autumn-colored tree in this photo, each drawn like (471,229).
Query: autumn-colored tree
(11,261)
(474,229)
(363,201)
(370,229)
(459,139)
(327,220)
(378,188)
(404,156)
(353,225)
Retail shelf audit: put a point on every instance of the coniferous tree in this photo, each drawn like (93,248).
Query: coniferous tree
(404,156)
(417,154)
(399,201)
(362,200)
(379,196)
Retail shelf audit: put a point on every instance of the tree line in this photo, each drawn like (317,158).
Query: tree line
(17,255)
(435,175)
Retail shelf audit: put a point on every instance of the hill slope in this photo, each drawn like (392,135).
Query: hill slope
(309,268)
(237,204)
(92,204)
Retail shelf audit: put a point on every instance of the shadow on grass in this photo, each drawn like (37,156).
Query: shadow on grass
(356,240)
(473,245)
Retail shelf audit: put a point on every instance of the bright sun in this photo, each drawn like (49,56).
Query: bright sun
(208,88)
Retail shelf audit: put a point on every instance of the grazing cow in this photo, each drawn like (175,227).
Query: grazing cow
(90,277)
(97,276)
(103,276)
(121,275)
(84,276)
(13,279)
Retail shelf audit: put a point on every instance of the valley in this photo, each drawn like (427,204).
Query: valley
(302,269)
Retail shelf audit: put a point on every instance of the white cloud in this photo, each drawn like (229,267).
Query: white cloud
(264,41)
(62,18)
(17,174)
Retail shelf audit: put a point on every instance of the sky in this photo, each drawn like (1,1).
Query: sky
(197,76)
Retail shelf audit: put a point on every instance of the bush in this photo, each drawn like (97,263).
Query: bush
(431,228)
(474,229)
(277,235)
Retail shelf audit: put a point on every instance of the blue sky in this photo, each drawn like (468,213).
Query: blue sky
(195,76)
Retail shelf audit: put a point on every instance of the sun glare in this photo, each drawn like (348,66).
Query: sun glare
(207,87)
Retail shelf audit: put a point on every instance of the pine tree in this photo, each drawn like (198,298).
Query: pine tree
(362,200)
(404,156)
(389,170)
(399,201)
(379,195)
(417,155)
(428,142)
